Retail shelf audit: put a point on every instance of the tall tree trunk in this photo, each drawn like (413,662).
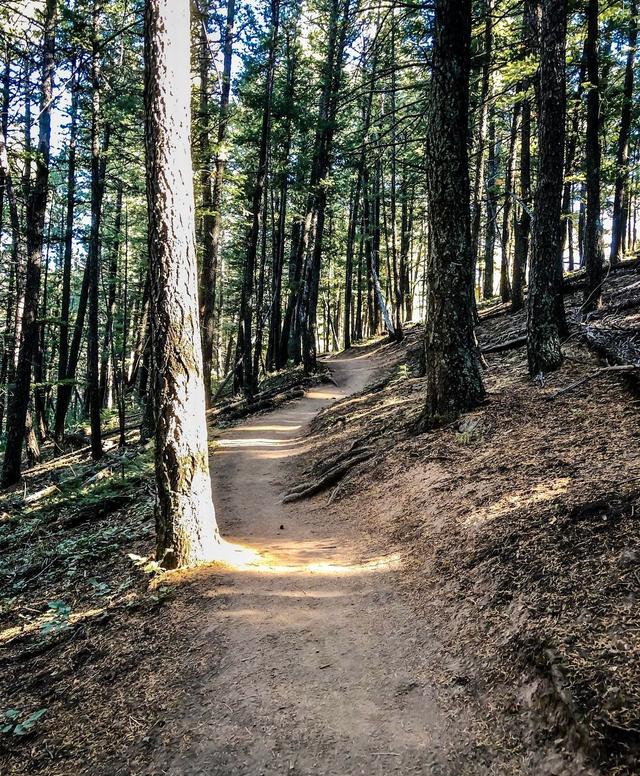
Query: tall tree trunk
(257,354)
(65,302)
(7,369)
(406,229)
(479,150)
(39,358)
(491,210)
(354,200)
(122,371)
(594,250)
(355,209)
(572,145)
(357,328)
(36,208)
(452,371)
(65,391)
(288,323)
(622,152)
(397,290)
(317,201)
(185,520)
(368,236)
(93,256)
(582,214)
(545,283)
(505,285)
(245,377)
(570,235)
(212,200)
(275,356)
(106,361)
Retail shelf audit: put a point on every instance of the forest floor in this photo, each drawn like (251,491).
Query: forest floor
(459,602)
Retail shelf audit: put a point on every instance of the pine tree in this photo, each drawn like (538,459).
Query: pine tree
(185,520)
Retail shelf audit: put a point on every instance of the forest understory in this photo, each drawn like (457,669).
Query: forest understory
(516,527)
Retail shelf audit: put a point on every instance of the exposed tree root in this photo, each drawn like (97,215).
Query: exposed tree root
(331,477)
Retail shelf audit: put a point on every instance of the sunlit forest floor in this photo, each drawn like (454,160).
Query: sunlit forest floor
(517,531)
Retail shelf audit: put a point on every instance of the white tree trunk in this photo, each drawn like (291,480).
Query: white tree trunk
(187,532)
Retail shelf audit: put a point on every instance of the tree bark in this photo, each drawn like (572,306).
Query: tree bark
(93,256)
(65,302)
(65,390)
(544,325)
(212,194)
(35,215)
(7,369)
(317,200)
(106,362)
(276,358)
(505,285)
(185,520)
(452,371)
(492,206)
(351,240)
(479,151)
(622,152)
(40,426)
(355,209)
(245,375)
(570,154)
(594,250)
(398,307)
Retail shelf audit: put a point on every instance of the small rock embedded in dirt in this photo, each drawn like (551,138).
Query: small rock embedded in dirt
(282,528)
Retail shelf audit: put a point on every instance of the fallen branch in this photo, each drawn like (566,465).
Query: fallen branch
(616,369)
(499,347)
(330,478)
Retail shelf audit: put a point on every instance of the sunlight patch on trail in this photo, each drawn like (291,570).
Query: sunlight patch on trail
(254,442)
(249,428)
(300,558)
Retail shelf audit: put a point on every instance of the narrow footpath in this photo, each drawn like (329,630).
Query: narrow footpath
(321,668)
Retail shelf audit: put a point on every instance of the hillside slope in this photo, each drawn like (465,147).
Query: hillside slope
(461,601)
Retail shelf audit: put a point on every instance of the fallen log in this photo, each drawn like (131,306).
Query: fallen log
(264,404)
(500,347)
(570,284)
(618,346)
(615,307)
(494,312)
(330,478)
(576,281)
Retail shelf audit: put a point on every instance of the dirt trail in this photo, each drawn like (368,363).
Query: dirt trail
(321,670)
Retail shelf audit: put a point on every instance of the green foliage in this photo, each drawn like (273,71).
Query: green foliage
(469,432)
(17,725)
(57,618)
